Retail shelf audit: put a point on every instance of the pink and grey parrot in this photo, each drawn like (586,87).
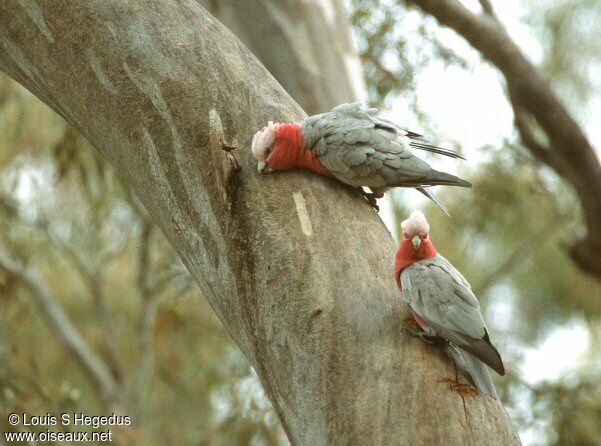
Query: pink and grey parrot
(443,304)
(356,147)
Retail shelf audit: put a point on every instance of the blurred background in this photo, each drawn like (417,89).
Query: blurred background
(93,299)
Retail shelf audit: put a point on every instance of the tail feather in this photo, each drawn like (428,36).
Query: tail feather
(417,140)
(436,178)
(475,368)
(423,145)
(435,199)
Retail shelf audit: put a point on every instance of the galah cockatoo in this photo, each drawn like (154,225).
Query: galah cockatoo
(443,304)
(354,146)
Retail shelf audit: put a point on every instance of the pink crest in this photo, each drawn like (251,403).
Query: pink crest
(416,224)
(263,139)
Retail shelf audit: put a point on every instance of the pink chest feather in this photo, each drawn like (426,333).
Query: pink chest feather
(291,151)
(407,256)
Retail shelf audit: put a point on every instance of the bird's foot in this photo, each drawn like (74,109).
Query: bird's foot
(370,197)
(426,338)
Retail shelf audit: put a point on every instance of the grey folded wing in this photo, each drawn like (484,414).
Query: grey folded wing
(440,295)
(363,150)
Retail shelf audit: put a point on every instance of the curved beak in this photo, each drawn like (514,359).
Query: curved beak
(263,167)
(416,242)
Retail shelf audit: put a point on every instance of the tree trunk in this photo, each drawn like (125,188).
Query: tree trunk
(298,268)
(306,45)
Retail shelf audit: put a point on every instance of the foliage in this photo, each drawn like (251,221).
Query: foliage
(396,43)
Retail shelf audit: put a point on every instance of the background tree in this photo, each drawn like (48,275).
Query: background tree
(307,46)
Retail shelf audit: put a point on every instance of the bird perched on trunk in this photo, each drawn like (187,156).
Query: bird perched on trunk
(443,304)
(356,147)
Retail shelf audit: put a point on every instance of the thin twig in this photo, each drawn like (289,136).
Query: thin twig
(488,8)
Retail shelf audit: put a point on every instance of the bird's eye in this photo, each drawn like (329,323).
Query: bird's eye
(267,151)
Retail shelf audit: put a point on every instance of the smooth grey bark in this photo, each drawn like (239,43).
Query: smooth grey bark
(297,267)
(306,45)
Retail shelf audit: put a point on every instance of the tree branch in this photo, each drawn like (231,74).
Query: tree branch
(488,8)
(297,268)
(569,152)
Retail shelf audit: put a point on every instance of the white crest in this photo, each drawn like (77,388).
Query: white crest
(416,224)
(263,139)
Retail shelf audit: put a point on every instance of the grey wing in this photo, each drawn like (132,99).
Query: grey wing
(441,296)
(359,152)
(415,140)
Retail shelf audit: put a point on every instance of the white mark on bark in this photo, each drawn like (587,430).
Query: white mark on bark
(217,139)
(215,123)
(215,129)
(303,215)
(35,13)
(99,72)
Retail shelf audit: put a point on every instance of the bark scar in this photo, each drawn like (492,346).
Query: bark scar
(218,139)
(231,156)
(461,389)
(467,422)
(35,13)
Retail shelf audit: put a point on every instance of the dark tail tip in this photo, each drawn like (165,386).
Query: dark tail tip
(497,364)
(446,179)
